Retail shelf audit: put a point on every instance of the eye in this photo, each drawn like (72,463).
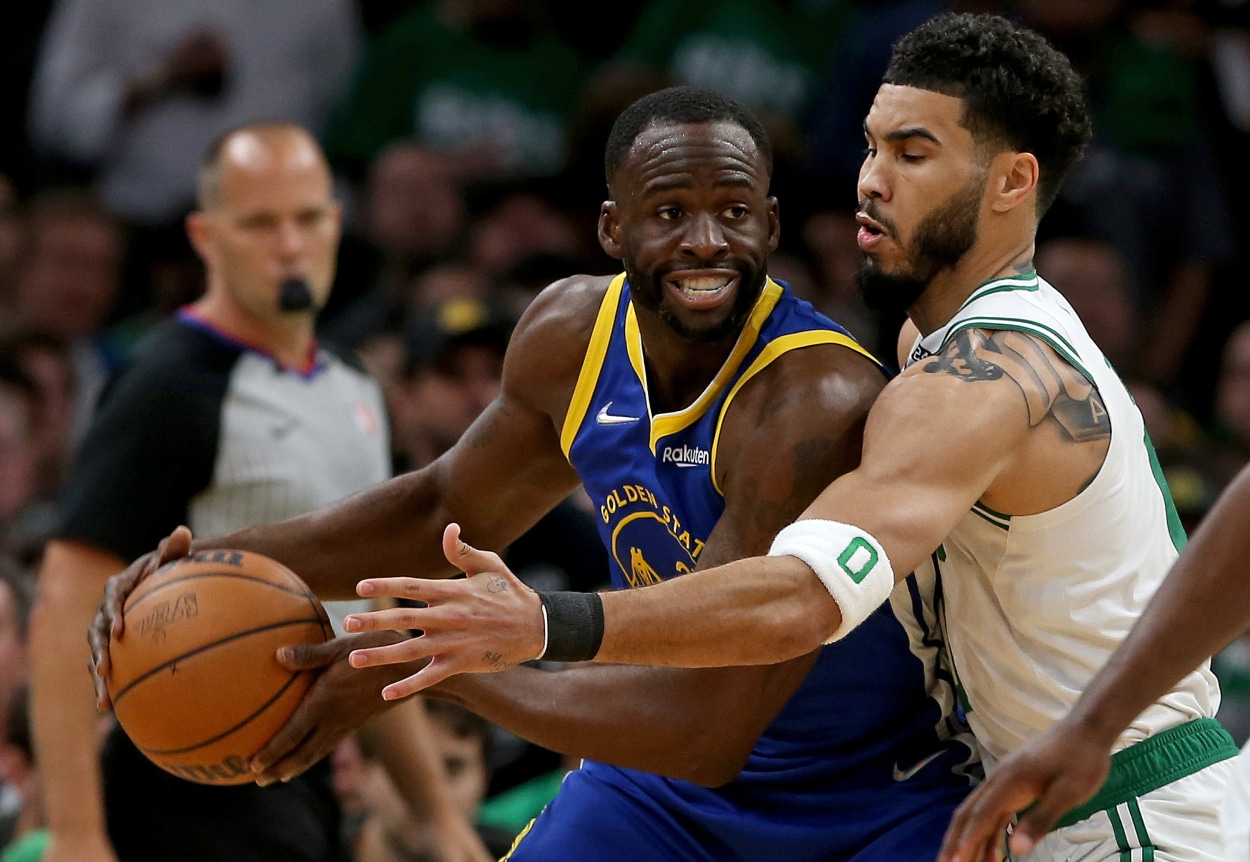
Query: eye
(911,157)
(736,212)
(670,213)
(869,152)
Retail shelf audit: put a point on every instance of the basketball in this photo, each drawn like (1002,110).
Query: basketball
(195,683)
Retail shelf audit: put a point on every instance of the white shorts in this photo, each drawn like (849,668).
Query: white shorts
(1235,818)
(1179,822)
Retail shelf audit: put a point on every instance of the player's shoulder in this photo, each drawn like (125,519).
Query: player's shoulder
(820,384)
(556,327)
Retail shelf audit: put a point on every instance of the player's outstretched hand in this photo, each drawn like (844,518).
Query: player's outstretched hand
(487,622)
(1045,779)
(109,621)
(339,701)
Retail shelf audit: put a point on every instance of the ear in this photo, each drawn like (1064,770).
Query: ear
(1015,180)
(199,232)
(774,224)
(610,230)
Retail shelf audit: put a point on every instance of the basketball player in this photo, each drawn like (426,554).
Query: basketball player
(227,414)
(702,406)
(1202,606)
(1007,457)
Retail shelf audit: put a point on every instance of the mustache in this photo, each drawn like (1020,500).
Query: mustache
(869,208)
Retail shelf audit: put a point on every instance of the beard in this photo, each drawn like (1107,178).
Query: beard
(942,238)
(648,292)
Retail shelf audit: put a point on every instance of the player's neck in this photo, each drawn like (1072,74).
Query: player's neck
(288,339)
(678,369)
(950,288)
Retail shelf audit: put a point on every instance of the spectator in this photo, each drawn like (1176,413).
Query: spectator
(763,53)
(68,280)
(19,453)
(391,831)
(19,801)
(488,82)
(1092,276)
(137,90)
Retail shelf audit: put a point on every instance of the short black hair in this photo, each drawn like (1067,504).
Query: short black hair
(1018,90)
(680,105)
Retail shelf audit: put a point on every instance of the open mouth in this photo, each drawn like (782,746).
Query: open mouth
(871,232)
(702,290)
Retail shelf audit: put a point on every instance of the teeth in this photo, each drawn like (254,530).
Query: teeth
(701,286)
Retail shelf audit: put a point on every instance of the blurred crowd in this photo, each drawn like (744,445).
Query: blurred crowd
(466,139)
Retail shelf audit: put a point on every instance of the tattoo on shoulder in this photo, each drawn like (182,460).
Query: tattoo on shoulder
(1053,390)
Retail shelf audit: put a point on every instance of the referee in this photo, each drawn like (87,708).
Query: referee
(227,414)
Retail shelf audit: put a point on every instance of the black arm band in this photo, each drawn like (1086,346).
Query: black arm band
(574,625)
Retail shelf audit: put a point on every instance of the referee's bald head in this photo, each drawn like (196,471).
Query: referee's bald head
(244,145)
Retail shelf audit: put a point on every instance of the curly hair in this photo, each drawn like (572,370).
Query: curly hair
(1019,91)
(680,105)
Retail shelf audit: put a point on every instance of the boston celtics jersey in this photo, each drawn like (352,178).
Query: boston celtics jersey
(1034,605)
(867,741)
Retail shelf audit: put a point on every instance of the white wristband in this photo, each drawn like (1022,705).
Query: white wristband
(849,562)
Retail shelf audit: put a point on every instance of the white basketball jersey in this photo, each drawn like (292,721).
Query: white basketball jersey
(1034,605)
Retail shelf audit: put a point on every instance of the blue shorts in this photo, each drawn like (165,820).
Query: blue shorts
(601,815)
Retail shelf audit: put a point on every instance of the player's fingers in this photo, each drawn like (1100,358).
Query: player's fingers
(175,546)
(387,619)
(1058,799)
(432,674)
(303,657)
(398,653)
(417,589)
(289,736)
(467,558)
(981,819)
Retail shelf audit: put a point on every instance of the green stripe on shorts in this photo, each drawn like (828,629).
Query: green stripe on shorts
(1155,762)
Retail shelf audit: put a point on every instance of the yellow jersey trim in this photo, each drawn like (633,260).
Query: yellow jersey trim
(777,347)
(633,347)
(588,377)
(670,423)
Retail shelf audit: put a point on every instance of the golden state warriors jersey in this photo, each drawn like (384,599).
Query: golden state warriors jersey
(874,705)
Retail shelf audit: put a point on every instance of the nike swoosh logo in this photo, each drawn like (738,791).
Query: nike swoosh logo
(603,417)
(903,775)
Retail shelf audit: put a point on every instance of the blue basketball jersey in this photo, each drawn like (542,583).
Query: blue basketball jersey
(873,706)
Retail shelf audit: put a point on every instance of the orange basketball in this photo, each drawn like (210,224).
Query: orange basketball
(195,683)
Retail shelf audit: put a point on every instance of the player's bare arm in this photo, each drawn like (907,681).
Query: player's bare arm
(992,419)
(504,474)
(793,429)
(700,725)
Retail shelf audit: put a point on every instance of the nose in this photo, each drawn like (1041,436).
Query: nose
(704,238)
(290,239)
(872,179)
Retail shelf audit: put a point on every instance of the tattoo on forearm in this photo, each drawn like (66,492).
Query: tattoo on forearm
(1052,390)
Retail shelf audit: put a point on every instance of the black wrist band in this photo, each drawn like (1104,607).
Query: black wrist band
(574,625)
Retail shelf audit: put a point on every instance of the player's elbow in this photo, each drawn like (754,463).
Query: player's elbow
(801,617)
(713,765)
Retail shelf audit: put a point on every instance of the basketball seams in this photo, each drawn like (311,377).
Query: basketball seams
(142,597)
(205,648)
(259,712)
